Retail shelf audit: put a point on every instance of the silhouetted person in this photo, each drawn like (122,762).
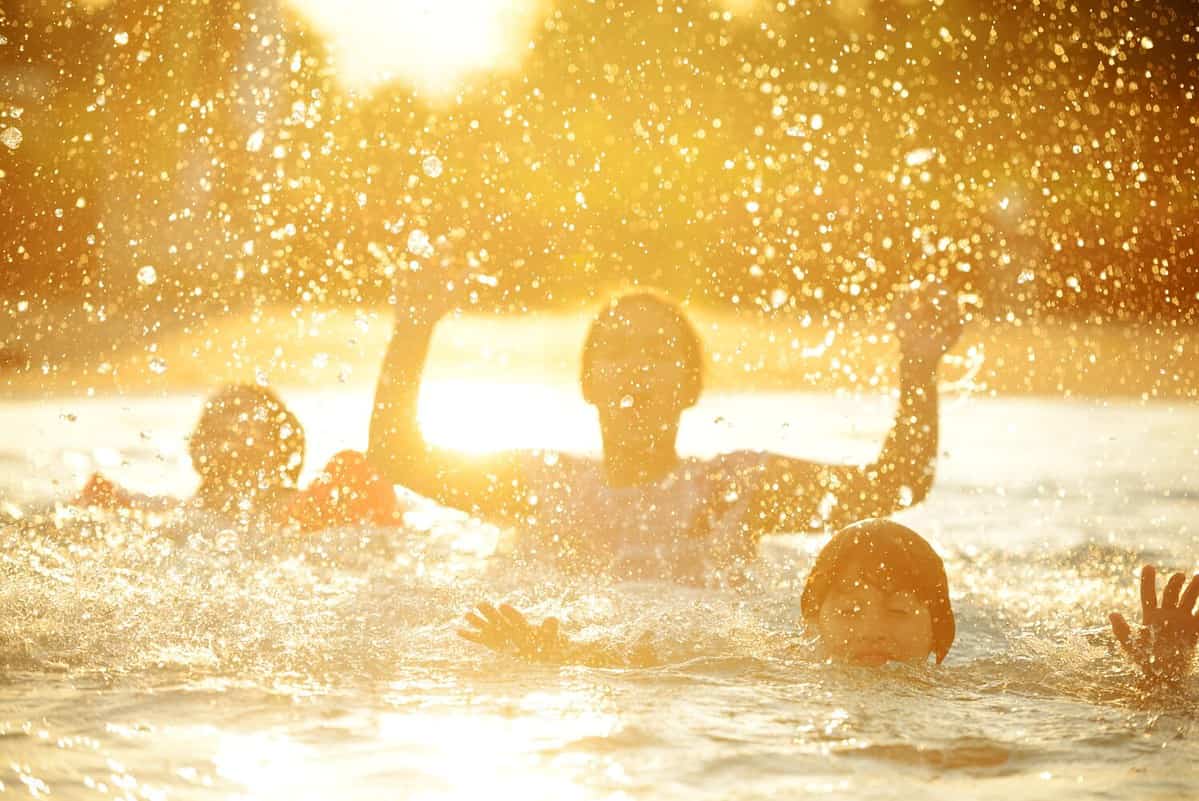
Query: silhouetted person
(642,511)
(248,450)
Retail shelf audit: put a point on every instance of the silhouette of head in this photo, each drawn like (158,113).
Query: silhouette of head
(642,362)
(246,440)
(878,593)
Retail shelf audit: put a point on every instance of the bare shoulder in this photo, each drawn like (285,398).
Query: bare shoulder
(553,465)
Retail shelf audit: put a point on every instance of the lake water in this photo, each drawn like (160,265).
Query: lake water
(144,662)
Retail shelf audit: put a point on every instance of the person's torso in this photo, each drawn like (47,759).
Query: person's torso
(687,526)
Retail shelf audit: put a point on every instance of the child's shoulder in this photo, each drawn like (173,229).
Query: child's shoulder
(348,491)
(545,464)
(101,492)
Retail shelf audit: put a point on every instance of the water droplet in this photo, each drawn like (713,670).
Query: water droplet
(919,156)
(226,541)
(11,137)
(418,243)
(1146,43)
(626,402)
(121,38)
(147,275)
(158,365)
(254,143)
(431,166)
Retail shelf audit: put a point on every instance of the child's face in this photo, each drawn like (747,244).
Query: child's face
(861,624)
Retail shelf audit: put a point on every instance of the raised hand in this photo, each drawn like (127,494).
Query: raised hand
(1165,645)
(506,629)
(429,287)
(928,322)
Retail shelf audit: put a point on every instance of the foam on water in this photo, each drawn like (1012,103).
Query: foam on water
(169,658)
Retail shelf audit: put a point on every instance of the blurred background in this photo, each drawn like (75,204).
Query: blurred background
(225,179)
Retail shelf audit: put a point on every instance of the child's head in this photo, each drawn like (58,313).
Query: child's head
(642,361)
(247,440)
(878,593)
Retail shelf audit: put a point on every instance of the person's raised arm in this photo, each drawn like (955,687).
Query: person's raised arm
(789,494)
(488,486)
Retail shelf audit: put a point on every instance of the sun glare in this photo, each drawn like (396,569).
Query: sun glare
(430,45)
(517,416)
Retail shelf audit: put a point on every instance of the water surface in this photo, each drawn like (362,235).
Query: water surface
(147,659)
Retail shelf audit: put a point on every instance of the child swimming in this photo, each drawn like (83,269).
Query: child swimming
(877,593)
(642,511)
(248,449)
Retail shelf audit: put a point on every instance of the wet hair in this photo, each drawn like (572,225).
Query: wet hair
(895,559)
(687,342)
(260,403)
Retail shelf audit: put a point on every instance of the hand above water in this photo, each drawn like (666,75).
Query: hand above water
(928,322)
(506,629)
(1165,645)
(428,288)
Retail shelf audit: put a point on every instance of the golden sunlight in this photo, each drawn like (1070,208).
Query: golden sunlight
(524,754)
(519,415)
(430,45)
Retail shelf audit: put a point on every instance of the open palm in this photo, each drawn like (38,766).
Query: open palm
(1164,646)
(506,629)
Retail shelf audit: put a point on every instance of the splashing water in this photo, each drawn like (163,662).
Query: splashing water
(171,654)
(419,244)
(783,162)
(11,137)
(147,275)
(431,166)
